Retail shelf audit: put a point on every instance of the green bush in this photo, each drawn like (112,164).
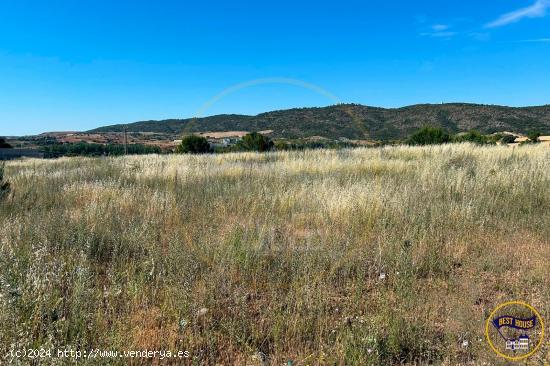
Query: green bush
(494,138)
(534,136)
(193,144)
(4,185)
(281,145)
(429,136)
(508,139)
(256,142)
(4,144)
(471,136)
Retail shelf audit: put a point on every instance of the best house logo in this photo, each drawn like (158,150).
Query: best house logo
(515,330)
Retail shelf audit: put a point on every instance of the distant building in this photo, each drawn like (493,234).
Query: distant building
(223,142)
(10,154)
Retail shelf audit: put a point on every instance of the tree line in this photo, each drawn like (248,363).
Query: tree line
(93,149)
(254,141)
(193,144)
(435,135)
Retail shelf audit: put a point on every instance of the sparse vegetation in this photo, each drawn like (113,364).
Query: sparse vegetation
(386,256)
(193,144)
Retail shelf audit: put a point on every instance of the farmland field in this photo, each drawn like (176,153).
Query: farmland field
(380,256)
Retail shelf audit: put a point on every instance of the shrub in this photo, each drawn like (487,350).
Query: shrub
(194,145)
(508,139)
(471,136)
(4,144)
(281,145)
(4,185)
(256,142)
(494,138)
(429,136)
(534,136)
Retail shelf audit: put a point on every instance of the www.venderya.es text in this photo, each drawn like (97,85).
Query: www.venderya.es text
(45,353)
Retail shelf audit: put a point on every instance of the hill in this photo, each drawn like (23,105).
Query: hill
(356,121)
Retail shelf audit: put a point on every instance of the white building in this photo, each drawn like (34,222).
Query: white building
(522,343)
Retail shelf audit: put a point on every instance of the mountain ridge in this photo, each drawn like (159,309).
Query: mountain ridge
(356,121)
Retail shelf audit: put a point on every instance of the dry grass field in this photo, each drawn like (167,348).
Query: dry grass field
(368,256)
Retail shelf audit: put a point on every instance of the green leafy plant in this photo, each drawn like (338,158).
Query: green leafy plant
(429,136)
(193,144)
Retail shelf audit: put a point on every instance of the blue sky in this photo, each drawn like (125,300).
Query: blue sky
(76,65)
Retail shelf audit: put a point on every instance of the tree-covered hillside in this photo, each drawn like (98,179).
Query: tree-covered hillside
(356,121)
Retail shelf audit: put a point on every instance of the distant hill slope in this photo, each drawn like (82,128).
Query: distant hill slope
(356,121)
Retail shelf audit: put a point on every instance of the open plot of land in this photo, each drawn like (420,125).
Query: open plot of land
(390,256)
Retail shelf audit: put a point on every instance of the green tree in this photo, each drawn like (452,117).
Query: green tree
(4,144)
(429,136)
(4,185)
(193,144)
(255,142)
(534,136)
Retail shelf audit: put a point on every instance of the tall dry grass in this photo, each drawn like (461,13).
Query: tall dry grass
(353,257)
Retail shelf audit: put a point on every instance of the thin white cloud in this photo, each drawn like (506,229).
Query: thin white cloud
(439,31)
(537,40)
(440,27)
(439,34)
(537,10)
(444,34)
